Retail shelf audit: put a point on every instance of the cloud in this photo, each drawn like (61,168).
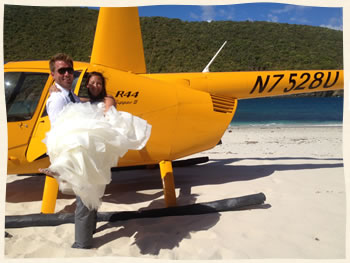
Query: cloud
(300,20)
(334,23)
(194,16)
(290,9)
(272,18)
(226,13)
(286,9)
(208,13)
(296,14)
(211,13)
(273,15)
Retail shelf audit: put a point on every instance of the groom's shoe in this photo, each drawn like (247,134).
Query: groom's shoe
(76,245)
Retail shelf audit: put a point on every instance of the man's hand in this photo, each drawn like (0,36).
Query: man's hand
(53,88)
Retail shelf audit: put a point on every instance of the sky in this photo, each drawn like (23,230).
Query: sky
(271,12)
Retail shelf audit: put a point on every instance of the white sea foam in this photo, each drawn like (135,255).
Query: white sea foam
(338,124)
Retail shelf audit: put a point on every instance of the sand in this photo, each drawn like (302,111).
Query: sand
(299,169)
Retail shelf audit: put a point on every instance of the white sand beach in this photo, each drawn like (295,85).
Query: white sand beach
(299,169)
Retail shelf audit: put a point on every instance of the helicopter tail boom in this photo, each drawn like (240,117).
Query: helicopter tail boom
(245,85)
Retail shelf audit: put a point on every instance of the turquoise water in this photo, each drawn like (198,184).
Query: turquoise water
(289,111)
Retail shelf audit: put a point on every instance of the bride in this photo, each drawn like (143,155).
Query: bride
(87,139)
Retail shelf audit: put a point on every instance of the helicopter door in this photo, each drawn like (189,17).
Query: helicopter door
(23,92)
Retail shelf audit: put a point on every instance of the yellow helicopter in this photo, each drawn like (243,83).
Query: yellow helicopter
(189,112)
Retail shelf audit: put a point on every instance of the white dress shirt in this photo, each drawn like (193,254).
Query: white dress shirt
(57,101)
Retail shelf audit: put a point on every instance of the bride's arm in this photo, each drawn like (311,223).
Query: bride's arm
(109,102)
(83,99)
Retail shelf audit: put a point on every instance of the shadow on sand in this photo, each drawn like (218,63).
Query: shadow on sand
(126,185)
(148,233)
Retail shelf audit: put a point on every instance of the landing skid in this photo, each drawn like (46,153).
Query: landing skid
(252,201)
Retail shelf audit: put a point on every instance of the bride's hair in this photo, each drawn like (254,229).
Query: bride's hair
(103,93)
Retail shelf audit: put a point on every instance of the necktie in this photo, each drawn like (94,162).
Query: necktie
(70,95)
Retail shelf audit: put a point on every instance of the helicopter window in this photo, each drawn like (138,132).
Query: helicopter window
(75,80)
(83,91)
(22,93)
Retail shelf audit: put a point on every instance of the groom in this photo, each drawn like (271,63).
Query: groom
(61,67)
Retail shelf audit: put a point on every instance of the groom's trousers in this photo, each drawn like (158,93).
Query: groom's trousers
(85,225)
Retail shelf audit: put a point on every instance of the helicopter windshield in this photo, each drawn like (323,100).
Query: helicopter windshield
(22,93)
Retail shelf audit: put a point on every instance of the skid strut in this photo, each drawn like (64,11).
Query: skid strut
(166,172)
(49,196)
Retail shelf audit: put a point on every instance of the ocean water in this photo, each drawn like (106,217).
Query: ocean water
(289,111)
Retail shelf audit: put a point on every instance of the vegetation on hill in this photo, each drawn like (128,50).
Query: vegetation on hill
(172,45)
(36,33)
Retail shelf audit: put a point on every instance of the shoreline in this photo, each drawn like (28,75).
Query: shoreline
(284,125)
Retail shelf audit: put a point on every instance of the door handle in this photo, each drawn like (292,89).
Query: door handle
(21,125)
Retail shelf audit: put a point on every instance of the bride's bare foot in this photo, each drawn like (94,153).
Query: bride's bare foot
(48,172)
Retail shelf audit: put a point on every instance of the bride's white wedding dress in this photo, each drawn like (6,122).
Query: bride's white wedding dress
(84,143)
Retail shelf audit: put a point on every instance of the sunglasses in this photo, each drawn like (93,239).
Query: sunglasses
(62,71)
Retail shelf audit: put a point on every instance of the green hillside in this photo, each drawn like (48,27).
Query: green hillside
(172,45)
(175,45)
(32,33)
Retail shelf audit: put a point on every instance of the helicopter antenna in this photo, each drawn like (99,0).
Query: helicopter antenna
(206,69)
